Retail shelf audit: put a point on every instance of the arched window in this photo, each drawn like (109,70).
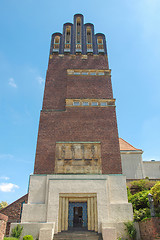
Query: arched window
(56,42)
(68,37)
(78,32)
(100,42)
(89,38)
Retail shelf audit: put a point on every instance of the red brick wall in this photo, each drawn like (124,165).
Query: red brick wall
(59,85)
(150,229)
(13,211)
(3,222)
(77,124)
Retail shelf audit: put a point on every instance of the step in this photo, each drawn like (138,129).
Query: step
(78,235)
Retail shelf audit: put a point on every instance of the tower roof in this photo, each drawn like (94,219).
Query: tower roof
(125,146)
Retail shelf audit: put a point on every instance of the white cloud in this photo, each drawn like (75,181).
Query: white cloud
(12,83)
(8,187)
(4,178)
(40,80)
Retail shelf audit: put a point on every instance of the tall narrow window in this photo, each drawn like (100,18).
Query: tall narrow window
(56,42)
(78,33)
(100,42)
(68,37)
(89,38)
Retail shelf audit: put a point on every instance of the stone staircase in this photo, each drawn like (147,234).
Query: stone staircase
(77,235)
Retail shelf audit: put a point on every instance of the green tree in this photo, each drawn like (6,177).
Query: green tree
(3,204)
(141,185)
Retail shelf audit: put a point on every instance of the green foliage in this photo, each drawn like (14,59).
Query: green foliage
(140,205)
(139,200)
(141,214)
(10,238)
(141,185)
(157,211)
(28,237)
(120,238)
(16,232)
(131,230)
(155,191)
(3,204)
(129,193)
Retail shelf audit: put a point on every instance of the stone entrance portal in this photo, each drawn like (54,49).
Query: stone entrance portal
(77,210)
(77,215)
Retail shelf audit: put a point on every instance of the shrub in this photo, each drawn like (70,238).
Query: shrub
(141,214)
(121,238)
(139,200)
(155,191)
(16,232)
(10,238)
(129,193)
(141,185)
(131,230)
(28,237)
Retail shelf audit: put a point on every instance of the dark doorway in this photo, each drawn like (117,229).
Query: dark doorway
(77,220)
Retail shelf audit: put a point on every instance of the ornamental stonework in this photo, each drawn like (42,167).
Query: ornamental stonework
(78,157)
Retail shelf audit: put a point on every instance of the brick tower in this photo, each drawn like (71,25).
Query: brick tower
(77,180)
(78,120)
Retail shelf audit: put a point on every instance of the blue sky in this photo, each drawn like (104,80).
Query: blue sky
(132,29)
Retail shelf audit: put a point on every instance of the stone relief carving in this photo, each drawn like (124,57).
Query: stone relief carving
(78,158)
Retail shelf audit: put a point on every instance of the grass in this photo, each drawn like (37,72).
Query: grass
(10,238)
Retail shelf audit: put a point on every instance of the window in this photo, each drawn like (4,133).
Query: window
(89,35)
(101,73)
(103,104)
(76,103)
(89,38)
(100,42)
(84,73)
(78,33)
(94,103)
(68,37)
(92,73)
(56,42)
(85,103)
(76,73)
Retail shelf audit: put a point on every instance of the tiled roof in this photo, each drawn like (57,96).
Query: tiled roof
(125,146)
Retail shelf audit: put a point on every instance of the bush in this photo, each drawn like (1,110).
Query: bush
(16,232)
(139,200)
(10,238)
(155,191)
(129,194)
(28,237)
(131,230)
(141,214)
(121,238)
(141,185)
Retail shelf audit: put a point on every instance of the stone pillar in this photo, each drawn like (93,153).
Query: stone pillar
(89,213)
(3,222)
(95,213)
